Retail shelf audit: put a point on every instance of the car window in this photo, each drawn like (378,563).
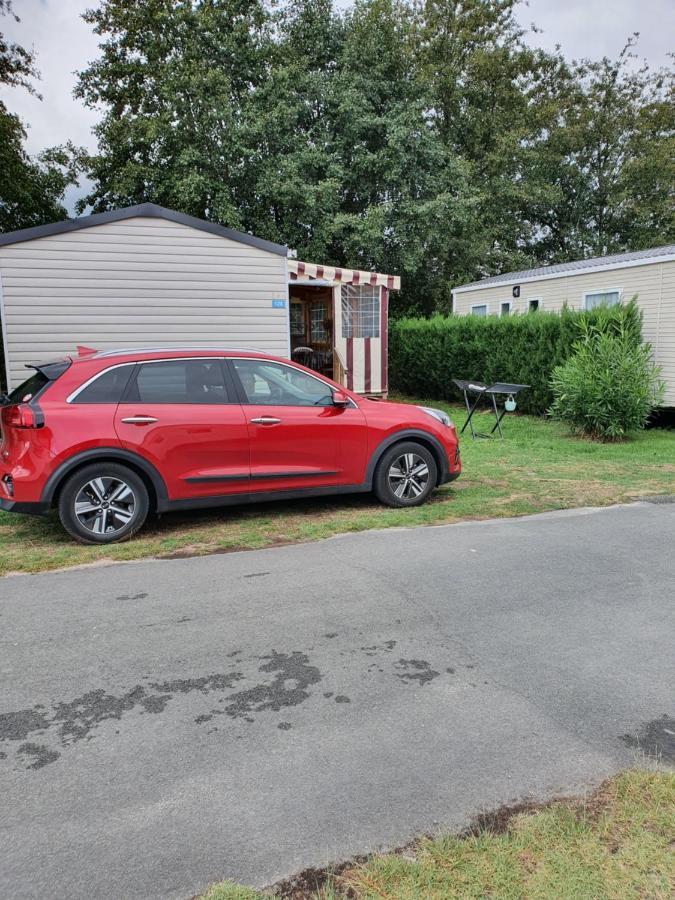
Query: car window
(178,381)
(28,389)
(274,384)
(107,388)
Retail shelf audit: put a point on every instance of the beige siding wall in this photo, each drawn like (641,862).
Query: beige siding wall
(653,283)
(138,282)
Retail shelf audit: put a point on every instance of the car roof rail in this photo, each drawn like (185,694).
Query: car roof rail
(122,350)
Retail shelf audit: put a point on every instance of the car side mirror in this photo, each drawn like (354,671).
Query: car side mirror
(340,398)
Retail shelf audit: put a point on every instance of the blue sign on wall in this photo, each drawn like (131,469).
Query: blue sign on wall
(278,304)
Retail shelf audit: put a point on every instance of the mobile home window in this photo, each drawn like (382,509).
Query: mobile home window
(505,308)
(534,305)
(318,314)
(297,319)
(360,311)
(479,309)
(601,298)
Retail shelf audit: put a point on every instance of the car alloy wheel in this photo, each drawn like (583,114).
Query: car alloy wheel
(105,505)
(408,476)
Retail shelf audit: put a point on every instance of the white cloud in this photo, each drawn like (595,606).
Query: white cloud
(597,28)
(63,43)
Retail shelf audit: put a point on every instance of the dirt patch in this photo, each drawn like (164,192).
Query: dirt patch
(498,821)
(192,550)
(306,885)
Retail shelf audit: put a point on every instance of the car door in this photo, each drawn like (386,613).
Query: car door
(298,438)
(184,417)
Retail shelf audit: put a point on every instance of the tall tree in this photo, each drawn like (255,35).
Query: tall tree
(295,180)
(423,137)
(489,95)
(31,190)
(406,202)
(173,77)
(611,157)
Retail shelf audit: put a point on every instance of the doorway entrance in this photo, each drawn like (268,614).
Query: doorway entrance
(311,314)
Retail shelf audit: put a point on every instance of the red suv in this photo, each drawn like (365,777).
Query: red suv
(107,437)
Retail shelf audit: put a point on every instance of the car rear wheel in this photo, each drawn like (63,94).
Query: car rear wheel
(103,503)
(406,475)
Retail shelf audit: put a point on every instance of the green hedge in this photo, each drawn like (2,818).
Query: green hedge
(426,354)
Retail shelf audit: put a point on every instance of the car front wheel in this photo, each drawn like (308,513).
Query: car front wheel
(406,475)
(103,503)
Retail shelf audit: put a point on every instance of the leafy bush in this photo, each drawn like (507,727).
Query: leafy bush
(426,354)
(609,386)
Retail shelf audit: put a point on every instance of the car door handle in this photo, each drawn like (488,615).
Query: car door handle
(139,420)
(265,420)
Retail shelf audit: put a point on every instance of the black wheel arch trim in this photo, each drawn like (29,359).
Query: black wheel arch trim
(117,454)
(410,434)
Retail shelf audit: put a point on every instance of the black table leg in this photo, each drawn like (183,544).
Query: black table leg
(498,423)
(471,410)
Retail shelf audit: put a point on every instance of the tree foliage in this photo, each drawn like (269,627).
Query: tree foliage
(422,137)
(31,189)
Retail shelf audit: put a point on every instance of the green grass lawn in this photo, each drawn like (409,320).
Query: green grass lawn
(618,844)
(538,466)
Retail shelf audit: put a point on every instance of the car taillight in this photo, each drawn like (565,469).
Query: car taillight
(21,415)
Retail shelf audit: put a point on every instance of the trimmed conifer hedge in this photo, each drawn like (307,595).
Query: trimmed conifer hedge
(426,354)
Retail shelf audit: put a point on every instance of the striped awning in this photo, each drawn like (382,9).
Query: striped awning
(298,269)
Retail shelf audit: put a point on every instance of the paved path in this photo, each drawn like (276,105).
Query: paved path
(166,724)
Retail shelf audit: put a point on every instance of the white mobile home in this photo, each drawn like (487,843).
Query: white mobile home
(148,276)
(647,274)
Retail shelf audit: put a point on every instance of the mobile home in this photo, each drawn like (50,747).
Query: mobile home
(648,275)
(149,276)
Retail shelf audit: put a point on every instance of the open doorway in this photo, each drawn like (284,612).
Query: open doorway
(311,315)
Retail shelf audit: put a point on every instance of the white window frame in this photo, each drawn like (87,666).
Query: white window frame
(502,304)
(612,290)
(476,305)
(538,300)
(349,320)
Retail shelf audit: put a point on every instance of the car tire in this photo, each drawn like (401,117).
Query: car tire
(395,482)
(103,503)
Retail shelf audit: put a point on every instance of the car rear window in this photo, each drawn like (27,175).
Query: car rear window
(30,388)
(107,388)
(44,374)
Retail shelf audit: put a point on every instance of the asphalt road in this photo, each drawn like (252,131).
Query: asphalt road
(167,724)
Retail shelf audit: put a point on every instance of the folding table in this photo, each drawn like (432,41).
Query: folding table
(481,391)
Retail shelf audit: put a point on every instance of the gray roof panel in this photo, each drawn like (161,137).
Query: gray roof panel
(147,210)
(577,265)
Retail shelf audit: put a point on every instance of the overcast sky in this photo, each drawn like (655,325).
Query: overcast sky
(64,44)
